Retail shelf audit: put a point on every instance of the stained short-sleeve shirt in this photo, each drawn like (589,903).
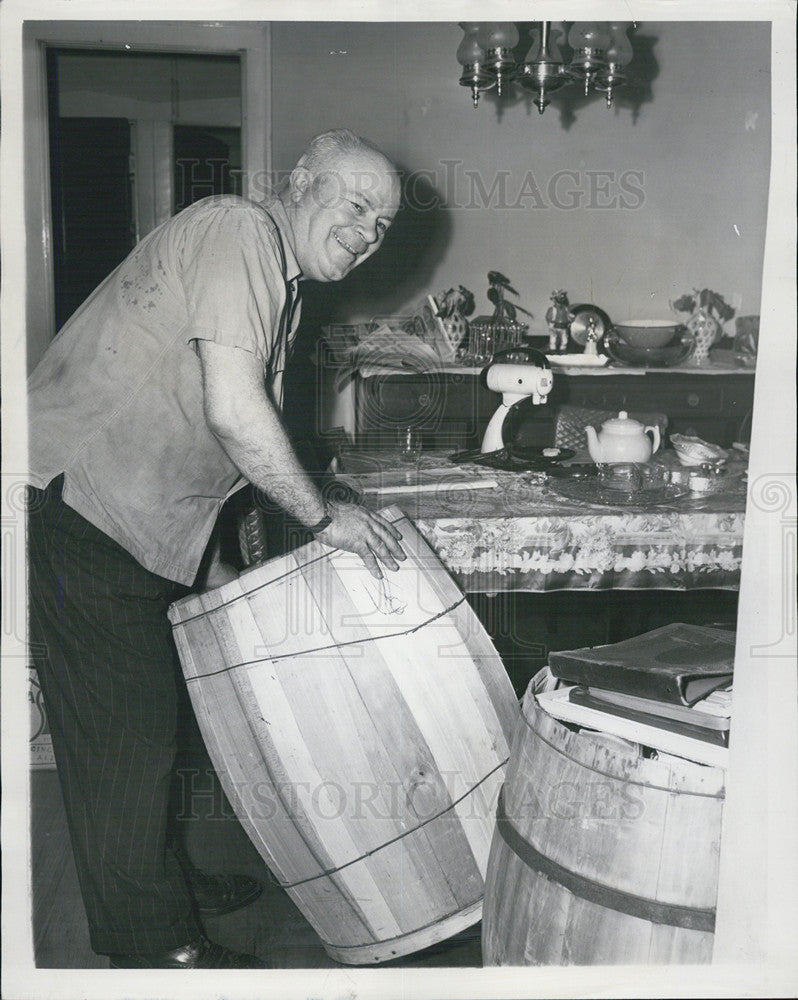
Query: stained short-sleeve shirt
(116,403)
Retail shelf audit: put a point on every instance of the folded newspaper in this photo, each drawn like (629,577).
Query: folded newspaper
(414,343)
(388,348)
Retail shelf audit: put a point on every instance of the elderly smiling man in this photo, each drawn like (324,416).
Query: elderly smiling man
(158,398)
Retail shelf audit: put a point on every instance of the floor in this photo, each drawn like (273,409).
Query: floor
(272,927)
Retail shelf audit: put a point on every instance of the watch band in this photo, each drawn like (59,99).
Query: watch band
(325,522)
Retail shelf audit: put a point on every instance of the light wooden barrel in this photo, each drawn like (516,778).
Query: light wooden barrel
(360,730)
(600,856)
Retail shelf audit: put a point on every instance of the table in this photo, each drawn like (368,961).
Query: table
(522,536)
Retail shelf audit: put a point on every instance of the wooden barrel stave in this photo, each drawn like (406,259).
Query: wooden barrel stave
(637,810)
(307,798)
(588,820)
(293,848)
(341,756)
(240,693)
(385,949)
(282,848)
(476,659)
(557,928)
(237,756)
(647,828)
(429,769)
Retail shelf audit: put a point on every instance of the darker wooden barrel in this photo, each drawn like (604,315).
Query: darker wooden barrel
(600,856)
(360,730)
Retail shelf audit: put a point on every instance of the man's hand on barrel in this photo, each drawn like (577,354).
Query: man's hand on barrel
(356,529)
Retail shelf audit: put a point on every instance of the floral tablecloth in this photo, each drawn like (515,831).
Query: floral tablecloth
(520,535)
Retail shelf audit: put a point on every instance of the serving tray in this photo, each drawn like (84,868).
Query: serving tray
(516,458)
(591,491)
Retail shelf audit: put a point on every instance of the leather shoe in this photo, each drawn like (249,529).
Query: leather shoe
(201,954)
(216,895)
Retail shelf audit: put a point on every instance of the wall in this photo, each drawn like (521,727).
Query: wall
(697,145)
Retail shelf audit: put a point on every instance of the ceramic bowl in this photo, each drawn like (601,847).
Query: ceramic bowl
(694,451)
(648,332)
(649,357)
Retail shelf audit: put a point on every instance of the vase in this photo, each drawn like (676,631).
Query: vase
(455,328)
(705,330)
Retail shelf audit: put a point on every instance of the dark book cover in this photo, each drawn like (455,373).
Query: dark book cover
(677,663)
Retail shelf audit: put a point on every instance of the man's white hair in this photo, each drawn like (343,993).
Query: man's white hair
(326,148)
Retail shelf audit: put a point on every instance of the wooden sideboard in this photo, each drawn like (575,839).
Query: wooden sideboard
(452,408)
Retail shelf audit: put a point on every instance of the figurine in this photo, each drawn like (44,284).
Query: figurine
(592,336)
(450,309)
(558,319)
(503,310)
(453,301)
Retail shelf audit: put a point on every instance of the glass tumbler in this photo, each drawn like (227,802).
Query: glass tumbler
(625,477)
(408,444)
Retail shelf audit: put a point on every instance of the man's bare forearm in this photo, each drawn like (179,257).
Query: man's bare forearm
(275,468)
(251,431)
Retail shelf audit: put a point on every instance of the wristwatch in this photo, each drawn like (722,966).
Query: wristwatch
(325,522)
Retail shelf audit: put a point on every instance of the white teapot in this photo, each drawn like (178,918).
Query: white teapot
(622,439)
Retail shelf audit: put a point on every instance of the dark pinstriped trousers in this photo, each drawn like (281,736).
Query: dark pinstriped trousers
(103,649)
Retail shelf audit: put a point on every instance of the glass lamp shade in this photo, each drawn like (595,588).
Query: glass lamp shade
(470,50)
(619,50)
(619,53)
(533,55)
(588,39)
(471,56)
(556,37)
(500,35)
(591,35)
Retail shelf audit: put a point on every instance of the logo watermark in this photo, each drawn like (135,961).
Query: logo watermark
(449,184)
(425,795)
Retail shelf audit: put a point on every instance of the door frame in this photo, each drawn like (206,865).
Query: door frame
(251,41)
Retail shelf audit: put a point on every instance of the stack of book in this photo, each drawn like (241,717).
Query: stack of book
(669,689)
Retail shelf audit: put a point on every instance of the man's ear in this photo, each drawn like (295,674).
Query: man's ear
(299,182)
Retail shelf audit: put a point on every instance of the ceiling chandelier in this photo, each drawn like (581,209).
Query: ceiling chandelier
(600,51)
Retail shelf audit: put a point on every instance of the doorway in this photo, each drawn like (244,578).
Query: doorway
(134,138)
(248,43)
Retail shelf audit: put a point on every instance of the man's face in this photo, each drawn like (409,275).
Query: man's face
(342,214)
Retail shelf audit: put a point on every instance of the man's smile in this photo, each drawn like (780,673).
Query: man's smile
(342,242)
